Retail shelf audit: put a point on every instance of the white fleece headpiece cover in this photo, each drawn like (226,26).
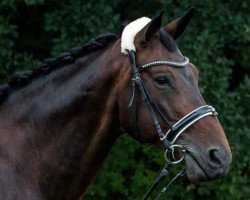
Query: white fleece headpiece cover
(129,33)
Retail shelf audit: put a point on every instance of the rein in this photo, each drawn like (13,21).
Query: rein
(169,139)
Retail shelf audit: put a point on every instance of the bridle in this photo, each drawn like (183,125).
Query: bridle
(169,139)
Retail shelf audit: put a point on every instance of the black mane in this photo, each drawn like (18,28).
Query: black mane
(21,79)
(18,80)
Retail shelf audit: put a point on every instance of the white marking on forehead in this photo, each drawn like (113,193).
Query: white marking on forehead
(129,33)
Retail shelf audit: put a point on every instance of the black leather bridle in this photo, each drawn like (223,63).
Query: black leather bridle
(169,139)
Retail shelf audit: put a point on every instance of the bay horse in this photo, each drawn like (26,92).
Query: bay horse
(59,121)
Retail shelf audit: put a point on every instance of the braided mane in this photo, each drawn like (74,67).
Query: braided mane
(21,79)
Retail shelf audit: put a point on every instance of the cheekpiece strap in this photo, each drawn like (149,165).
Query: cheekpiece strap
(132,60)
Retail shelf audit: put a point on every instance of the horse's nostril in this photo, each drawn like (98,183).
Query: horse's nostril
(215,157)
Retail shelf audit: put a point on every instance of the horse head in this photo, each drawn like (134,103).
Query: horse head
(163,96)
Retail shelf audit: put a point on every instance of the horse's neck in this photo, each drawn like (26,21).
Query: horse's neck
(58,136)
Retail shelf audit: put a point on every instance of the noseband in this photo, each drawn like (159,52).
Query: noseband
(169,139)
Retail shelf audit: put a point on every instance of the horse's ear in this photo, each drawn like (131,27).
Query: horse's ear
(149,30)
(153,27)
(178,26)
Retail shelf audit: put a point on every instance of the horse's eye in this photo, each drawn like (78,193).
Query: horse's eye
(162,81)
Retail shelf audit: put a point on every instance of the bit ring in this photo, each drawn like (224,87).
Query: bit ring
(173,148)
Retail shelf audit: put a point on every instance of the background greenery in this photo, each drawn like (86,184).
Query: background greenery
(217,41)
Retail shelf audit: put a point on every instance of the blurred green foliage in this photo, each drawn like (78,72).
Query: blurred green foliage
(217,42)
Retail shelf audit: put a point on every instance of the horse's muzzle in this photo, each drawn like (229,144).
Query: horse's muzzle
(215,164)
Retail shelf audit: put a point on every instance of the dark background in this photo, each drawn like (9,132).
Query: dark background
(217,41)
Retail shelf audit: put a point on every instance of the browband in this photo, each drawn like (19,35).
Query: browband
(184,63)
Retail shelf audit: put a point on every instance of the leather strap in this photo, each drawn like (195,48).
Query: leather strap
(184,123)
